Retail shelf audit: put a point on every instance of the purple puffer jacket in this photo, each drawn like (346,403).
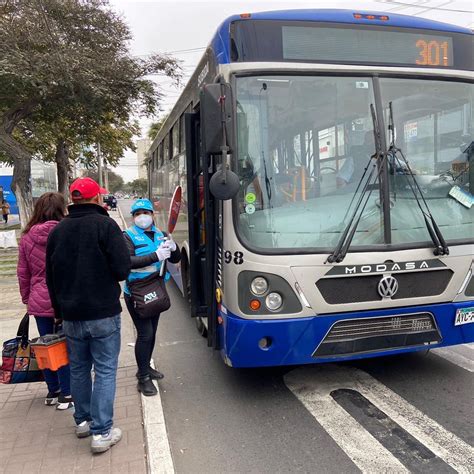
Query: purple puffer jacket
(31,269)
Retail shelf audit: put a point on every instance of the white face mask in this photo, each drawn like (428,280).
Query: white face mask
(143,221)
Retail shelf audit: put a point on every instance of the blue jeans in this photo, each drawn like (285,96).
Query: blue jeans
(55,380)
(95,344)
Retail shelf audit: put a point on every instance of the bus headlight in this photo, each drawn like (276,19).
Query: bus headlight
(273,301)
(259,286)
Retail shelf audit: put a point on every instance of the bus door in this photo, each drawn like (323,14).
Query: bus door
(202,229)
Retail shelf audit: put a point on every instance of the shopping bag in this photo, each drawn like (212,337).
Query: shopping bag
(18,358)
(8,239)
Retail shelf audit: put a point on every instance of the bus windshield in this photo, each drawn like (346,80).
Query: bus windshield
(304,143)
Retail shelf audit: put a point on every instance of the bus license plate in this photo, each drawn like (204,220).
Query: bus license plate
(464,316)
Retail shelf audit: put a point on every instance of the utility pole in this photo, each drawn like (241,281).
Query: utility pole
(106,176)
(99,164)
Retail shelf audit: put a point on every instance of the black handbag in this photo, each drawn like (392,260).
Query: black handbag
(149,296)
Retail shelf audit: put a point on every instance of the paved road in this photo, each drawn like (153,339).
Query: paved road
(410,413)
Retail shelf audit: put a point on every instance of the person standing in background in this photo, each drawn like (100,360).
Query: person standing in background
(48,211)
(5,211)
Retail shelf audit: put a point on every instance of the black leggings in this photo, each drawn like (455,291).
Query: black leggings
(146,335)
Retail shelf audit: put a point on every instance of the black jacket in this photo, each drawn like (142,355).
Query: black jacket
(140,261)
(86,257)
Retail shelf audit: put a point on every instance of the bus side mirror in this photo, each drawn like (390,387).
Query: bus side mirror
(216,115)
(224,184)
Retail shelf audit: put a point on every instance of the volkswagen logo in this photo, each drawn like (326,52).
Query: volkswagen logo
(387,287)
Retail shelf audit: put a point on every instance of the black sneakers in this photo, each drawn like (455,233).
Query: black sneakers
(154,374)
(64,402)
(146,386)
(51,398)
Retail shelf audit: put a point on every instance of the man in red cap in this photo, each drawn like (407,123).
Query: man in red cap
(86,258)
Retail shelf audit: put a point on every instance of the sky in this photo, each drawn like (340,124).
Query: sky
(184,28)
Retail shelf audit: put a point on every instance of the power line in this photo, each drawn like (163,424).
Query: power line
(179,51)
(427,8)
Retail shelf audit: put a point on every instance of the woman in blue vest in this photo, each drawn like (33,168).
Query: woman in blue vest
(149,248)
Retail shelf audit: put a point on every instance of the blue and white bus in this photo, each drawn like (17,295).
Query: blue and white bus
(326,162)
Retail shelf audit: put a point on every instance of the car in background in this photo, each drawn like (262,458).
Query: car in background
(111,201)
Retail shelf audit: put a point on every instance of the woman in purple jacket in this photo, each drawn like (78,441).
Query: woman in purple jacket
(49,210)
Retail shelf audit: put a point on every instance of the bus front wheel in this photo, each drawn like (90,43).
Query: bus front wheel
(201,327)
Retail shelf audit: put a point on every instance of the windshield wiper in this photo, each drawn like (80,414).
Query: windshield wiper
(441,248)
(347,236)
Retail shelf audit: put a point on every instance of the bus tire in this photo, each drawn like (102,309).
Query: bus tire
(186,278)
(201,327)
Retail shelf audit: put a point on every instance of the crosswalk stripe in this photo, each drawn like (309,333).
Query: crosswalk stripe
(313,386)
(456,357)
(362,448)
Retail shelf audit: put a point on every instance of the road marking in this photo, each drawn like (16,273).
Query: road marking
(174,343)
(456,357)
(159,452)
(313,387)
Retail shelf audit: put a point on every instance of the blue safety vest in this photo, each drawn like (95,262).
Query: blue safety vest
(144,246)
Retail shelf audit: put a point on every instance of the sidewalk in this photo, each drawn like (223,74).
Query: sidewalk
(35,438)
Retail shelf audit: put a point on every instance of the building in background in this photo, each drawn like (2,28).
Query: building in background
(142,149)
(43,178)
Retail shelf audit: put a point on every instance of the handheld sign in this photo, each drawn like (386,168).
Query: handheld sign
(175,206)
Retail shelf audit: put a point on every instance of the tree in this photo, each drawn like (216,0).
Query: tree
(155,127)
(67,64)
(138,186)
(116,182)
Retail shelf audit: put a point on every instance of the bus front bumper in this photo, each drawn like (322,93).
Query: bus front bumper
(341,336)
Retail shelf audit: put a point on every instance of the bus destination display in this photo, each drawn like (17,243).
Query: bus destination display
(366,46)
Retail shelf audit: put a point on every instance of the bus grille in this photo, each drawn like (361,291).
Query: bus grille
(358,289)
(374,334)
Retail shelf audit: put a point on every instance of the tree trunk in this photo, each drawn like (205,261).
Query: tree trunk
(21,159)
(21,186)
(62,163)
(21,183)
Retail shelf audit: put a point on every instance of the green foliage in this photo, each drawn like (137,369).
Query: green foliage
(155,127)
(137,186)
(66,72)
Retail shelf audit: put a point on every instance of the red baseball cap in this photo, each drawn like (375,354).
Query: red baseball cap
(87,188)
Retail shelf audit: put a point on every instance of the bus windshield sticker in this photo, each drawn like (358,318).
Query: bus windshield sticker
(462,196)
(249,208)
(250,198)
(362,85)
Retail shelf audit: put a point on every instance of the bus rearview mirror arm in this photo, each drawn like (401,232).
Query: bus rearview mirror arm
(216,120)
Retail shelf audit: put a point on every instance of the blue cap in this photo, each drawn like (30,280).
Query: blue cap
(142,204)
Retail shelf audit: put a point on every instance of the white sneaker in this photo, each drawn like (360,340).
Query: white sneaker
(103,442)
(83,430)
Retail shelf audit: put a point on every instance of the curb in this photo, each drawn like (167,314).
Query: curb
(159,459)
(124,223)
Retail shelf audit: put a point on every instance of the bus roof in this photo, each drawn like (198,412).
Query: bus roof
(220,42)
